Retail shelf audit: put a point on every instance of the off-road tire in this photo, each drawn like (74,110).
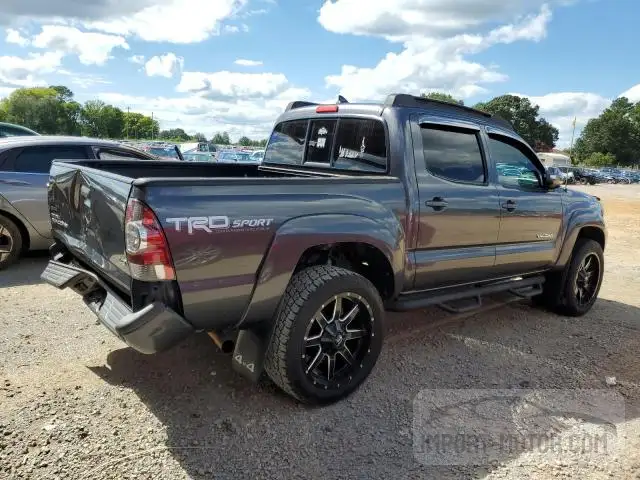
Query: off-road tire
(559,288)
(16,240)
(308,290)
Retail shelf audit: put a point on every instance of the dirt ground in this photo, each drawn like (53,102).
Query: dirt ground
(75,403)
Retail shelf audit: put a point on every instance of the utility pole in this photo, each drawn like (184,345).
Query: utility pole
(572,136)
(152,127)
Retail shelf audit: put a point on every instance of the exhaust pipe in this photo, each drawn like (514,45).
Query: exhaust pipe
(225,345)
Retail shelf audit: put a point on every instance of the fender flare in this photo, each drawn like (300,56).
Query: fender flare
(571,238)
(297,235)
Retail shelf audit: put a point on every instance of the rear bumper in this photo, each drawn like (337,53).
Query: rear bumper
(152,329)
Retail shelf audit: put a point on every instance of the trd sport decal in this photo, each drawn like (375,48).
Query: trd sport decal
(217,223)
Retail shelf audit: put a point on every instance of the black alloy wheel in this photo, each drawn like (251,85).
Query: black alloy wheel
(337,340)
(587,279)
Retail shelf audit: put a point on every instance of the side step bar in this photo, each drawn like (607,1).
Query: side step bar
(524,288)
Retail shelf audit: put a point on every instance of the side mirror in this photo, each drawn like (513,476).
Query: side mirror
(553,181)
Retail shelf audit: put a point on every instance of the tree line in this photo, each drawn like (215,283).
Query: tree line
(54,111)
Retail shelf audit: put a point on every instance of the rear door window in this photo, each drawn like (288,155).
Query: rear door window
(286,144)
(38,159)
(453,154)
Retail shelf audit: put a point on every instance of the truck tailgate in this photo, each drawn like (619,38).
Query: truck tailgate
(87,208)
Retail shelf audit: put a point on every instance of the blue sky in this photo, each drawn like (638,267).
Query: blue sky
(213,65)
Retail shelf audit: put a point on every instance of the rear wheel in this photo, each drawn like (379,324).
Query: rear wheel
(10,242)
(574,291)
(327,334)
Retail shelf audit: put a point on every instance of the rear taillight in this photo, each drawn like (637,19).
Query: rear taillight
(145,244)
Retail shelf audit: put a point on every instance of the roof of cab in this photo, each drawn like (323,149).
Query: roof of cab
(401,100)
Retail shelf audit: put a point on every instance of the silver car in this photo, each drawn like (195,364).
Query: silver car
(24,172)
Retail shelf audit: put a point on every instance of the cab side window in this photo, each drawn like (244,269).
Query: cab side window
(453,154)
(515,168)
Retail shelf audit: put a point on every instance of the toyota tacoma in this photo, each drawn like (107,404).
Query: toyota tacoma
(291,264)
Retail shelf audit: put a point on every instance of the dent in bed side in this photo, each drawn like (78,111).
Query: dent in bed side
(582,212)
(296,236)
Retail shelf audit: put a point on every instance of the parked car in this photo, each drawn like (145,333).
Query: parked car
(567,172)
(584,176)
(257,156)
(163,151)
(24,172)
(195,156)
(356,208)
(235,157)
(11,130)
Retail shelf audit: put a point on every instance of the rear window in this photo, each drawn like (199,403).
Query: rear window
(321,141)
(345,144)
(360,145)
(286,144)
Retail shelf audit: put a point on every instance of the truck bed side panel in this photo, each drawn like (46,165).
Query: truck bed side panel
(87,209)
(219,267)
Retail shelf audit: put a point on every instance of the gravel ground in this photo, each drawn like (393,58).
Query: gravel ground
(76,404)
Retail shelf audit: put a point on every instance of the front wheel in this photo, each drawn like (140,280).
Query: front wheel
(574,291)
(327,334)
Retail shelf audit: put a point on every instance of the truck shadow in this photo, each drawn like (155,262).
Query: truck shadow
(26,271)
(218,423)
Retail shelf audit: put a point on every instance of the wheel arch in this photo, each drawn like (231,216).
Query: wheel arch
(593,231)
(301,240)
(24,231)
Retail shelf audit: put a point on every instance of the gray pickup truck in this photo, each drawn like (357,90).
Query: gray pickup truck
(356,209)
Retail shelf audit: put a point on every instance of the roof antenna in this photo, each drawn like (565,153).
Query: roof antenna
(341,99)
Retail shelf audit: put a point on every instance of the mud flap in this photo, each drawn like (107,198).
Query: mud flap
(248,354)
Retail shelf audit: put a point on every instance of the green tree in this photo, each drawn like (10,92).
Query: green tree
(598,159)
(443,97)
(221,138)
(37,108)
(175,134)
(200,137)
(523,115)
(245,141)
(616,131)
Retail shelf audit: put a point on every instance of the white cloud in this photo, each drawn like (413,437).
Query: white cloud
(428,63)
(92,48)
(6,91)
(137,59)
(561,108)
(400,20)
(251,117)
(248,63)
(633,94)
(173,21)
(23,72)
(227,85)
(14,36)
(164,65)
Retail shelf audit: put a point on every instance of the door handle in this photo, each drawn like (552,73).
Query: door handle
(509,205)
(437,203)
